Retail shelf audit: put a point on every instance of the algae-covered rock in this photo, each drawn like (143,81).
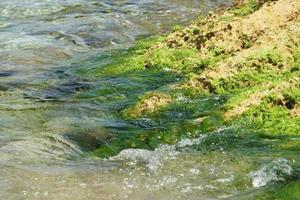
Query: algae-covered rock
(250,60)
(237,67)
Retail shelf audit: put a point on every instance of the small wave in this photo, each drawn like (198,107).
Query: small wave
(275,171)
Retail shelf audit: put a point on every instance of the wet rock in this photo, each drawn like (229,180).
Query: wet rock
(73,87)
(62,74)
(90,140)
(6,73)
(45,95)
(58,93)
(146,123)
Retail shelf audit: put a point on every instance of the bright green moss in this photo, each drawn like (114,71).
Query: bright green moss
(180,60)
(270,56)
(142,57)
(274,120)
(249,7)
(122,62)
(143,45)
(263,66)
(236,98)
(275,115)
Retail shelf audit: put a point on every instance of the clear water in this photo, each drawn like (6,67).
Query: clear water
(52,120)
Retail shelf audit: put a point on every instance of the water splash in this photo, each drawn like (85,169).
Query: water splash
(152,159)
(275,171)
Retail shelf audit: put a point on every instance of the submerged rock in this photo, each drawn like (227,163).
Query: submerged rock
(72,87)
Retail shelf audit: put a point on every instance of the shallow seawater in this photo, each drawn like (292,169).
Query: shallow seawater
(62,136)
